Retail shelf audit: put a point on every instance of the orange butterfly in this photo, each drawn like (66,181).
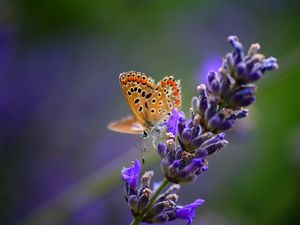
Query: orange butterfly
(150,104)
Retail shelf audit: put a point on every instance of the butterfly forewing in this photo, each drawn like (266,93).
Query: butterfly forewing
(137,88)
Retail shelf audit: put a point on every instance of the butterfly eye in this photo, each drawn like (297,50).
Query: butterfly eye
(145,134)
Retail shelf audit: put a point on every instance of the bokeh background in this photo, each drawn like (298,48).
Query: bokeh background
(59,67)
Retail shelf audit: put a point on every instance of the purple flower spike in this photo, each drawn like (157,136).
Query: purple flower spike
(188,212)
(130,174)
(187,143)
(172,123)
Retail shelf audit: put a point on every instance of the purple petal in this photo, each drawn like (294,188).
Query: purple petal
(187,212)
(130,174)
(173,121)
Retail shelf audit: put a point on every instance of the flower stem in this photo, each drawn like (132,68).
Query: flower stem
(135,221)
(162,185)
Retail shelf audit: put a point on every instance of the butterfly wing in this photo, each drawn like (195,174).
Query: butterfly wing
(165,98)
(127,125)
(137,89)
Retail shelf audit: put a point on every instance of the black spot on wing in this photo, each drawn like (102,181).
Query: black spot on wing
(148,95)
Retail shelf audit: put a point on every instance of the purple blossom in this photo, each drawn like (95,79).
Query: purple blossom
(246,68)
(187,212)
(172,123)
(130,174)
(184,162)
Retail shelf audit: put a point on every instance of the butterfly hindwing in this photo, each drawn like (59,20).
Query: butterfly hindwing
(165,98)
(127,125)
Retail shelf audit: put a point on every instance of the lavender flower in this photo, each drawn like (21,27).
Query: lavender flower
(214,111)
(173,121)
(184,162)
(188,212)
(130,174)
(189,142)
(163,209)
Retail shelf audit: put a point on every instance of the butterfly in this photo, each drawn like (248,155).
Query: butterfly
(150,104)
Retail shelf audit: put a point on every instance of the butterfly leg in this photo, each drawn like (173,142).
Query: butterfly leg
(140,144)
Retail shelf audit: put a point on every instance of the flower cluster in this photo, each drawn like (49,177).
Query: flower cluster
(182,163)
(190,141)
(163,209)
(213,111)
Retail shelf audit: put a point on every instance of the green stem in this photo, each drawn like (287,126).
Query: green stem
(162,185)
(135,221)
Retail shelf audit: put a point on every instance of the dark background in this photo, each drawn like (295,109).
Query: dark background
(59,67)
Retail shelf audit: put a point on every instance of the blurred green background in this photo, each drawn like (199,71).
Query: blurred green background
(59,67)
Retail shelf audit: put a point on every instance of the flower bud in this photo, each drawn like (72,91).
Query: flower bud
(186,136)
(162,149)
(146,178)
(243,96)
(203,101)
